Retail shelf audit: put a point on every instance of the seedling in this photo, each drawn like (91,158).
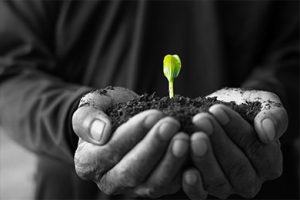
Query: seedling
(172,66)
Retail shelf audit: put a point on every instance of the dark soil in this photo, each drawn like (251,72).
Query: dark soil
(179,107)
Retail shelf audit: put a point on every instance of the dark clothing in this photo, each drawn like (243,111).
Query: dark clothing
(52,52)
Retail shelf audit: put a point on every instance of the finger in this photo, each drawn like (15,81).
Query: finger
(192,185)
(153,191)
(91,125)
(236,166)
(204,160)
(148,191)
(133,131)
(172,161)
(271,123)
(123,140)
(203,123)
(136,165)
(167,170)
(266,159)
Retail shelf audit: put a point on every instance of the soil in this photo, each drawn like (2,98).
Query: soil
(179,107)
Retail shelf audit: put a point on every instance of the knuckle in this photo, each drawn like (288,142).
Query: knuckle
(245,137)
(220,185)
(275,163)
(107,186)
(158,183)
(146,191)
(237,170)
(149,192)
(223,196)
(248,185)
(131,181)
(111,184)
(244,181)
(275,173)
(153,192)
(82,172)
(87,171)
(251,189)
(128,178)
(271,166)
(220,195)
(83,167)
(268,159)
(254,146)
(88,163)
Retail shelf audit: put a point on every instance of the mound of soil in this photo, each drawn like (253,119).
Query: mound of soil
(179,107)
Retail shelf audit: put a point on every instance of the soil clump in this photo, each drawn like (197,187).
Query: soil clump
(179,107)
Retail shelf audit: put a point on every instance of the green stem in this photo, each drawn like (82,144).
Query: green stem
(171,90)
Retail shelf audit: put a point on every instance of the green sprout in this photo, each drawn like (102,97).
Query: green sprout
(172,66)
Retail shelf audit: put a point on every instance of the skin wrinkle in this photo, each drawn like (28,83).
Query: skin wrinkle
(266,106)
(208,116)
(213,151)
(256,142)
(233,172)
(240,170)
(237,170)
(100,38)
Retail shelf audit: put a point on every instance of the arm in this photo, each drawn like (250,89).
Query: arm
(278,70)
(35,105)
(37,109)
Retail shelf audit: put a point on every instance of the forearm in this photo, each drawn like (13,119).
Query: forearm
(36,112)
(278,69)
(36,107)
(285,83)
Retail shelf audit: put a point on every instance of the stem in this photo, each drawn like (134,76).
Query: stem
(171,90)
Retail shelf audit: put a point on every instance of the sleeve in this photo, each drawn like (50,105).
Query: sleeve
(278,71)
(35,105)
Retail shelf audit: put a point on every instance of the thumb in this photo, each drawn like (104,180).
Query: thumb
(271,123)
(92,125)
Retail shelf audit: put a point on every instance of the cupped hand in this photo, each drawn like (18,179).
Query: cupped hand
(90,122)
(143,157)
(232,156)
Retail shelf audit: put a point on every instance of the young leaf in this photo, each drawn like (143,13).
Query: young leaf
(172,66)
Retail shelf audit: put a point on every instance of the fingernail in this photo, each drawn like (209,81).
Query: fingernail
(203,123)
(96,129)
(191,178)
(168,129)
(179,148)
(220,114)
(269,129)
(199,145)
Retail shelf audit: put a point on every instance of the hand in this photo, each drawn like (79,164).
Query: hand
(143,157)
(231,155)
(90,116)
